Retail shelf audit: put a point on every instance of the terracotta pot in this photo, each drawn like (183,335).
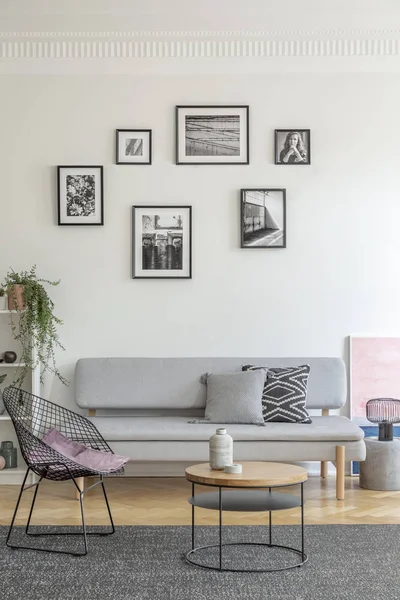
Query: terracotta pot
(16,299)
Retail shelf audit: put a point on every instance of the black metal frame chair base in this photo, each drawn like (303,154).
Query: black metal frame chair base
(84,533)
(33,418)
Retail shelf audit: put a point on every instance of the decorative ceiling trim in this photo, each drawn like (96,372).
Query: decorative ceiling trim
(208,34)
(222,44)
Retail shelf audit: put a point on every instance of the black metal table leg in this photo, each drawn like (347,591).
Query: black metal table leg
(220,528)
(214,501)
(270,524)
(302,522)
(193,517)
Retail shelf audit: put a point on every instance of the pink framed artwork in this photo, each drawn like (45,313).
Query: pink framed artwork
(374,372)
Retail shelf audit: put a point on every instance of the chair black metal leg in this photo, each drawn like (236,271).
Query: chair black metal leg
(44,534)
(84,533)
(16,509)
(109,510)
(83,523)
(32,506)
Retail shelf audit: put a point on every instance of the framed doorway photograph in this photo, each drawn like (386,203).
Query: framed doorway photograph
(162,242)
(80,195)
(263,218)
(212,135)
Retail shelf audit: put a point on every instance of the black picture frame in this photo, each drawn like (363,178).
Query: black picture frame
(204,111)
(97,187)
(137,248)
(281,139)
(252,234)
(148,155)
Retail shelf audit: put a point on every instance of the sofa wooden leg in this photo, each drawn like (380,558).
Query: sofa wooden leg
(81,483)
(340,465)
(324,468)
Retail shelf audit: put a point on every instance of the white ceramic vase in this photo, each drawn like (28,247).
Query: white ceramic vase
(221,450)
(4,302)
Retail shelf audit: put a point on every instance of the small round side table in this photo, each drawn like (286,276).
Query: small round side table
(381,468)
(251,490)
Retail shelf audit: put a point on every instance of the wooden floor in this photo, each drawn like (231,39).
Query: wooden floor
(163,501)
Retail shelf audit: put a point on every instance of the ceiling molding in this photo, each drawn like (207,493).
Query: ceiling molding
(336,33)
(197,45)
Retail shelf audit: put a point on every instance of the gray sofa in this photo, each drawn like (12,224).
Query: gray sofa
(143,408)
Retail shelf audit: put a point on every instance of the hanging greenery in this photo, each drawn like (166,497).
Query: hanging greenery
(36,326)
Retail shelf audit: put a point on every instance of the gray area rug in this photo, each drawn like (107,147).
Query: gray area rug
(352,562)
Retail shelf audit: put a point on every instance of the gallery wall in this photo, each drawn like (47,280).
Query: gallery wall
(339,272)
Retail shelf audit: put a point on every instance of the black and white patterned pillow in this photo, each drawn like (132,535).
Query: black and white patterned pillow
(284,394)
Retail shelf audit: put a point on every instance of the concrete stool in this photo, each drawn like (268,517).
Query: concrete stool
(381,469)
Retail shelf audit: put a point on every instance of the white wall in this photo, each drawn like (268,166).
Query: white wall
(338,275)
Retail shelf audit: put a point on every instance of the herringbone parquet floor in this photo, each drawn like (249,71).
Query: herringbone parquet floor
(163,501)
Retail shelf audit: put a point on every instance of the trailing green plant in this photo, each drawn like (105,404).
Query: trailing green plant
(36,327)
(2,378)
(2,293)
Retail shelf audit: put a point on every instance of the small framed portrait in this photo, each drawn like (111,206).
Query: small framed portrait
(292,147)
(212,135)
(162,242)
(133,146)
(80,195)
(263,218)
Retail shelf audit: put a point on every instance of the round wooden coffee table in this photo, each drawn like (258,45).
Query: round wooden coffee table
(249,491)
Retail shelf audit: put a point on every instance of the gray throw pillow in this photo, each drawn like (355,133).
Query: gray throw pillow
(235,397)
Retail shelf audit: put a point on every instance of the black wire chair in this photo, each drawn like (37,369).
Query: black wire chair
(32,418)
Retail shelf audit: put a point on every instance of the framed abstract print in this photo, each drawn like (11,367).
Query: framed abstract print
(80,195)
(133,146)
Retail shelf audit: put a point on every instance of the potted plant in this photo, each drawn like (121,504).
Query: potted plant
(3,299)
(36,330)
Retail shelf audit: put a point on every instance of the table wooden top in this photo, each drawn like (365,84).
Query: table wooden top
(254,474)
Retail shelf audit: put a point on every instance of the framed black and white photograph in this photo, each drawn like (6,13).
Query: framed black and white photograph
(263,218)
(162,242)
(292,147)
(212,135)
(133,147)
(80,195)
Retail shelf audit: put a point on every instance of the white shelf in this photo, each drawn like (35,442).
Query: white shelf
(13,471)
(16,476)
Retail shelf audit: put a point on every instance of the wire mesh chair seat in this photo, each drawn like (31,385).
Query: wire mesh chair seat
(32,417)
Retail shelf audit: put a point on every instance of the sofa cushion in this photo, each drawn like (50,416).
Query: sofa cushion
(284,394)
(174,383)
(235,398)
(332,428)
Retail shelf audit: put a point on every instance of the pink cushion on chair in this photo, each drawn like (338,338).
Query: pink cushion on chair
(96,460)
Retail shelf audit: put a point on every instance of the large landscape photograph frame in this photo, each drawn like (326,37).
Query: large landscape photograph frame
(212,135)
